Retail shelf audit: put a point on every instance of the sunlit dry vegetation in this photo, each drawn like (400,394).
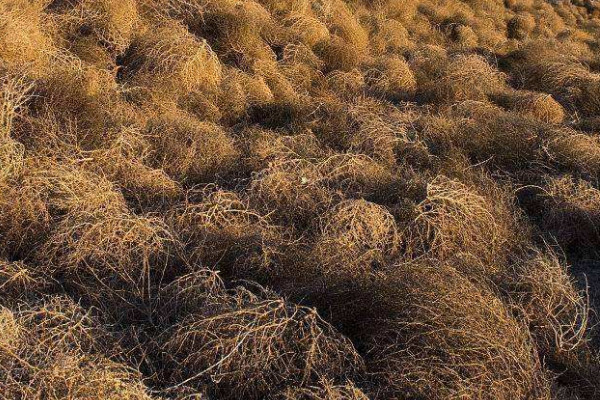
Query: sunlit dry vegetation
(299,199)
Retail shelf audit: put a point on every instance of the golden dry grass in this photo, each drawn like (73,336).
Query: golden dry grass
(299,199)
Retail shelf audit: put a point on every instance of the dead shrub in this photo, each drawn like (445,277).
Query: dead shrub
(426,62)
(294,190)
(380,141)
(520,26)
(391,78)
(240,92)
(588,125)
(307,28)
(325,390)
(467,77)
(13,97)
(221,231)
(357,238)
(567,208)
(231,99)
(280,80)
(439,133)
(576,151)
(380,132)
(539,106)
(54,351)
(66,188)
(109,23)
(44,192)
(114,22)
(338,54)
(188,295)
(263,147)
(126,160)
(448,13)
(477,110)
(346,84)
(181,10)
(119,118)
(558,315)
(78,95)
(518,5)
(456,217)
(11,157)
(570,82)
(24,219)
(239,32)
(389,36)
(556,311)
(172,60)
(302,67)
(437,335)
(359,175)
(400,10)
(19,281)
(189,150)
(288,108)
(341,21)
(89,50)
(332,124)
(115,260)
(24,46)
(249,343)
(257,90)
(505,140)
(463,36)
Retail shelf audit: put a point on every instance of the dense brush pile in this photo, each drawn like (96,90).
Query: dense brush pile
(299,199)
